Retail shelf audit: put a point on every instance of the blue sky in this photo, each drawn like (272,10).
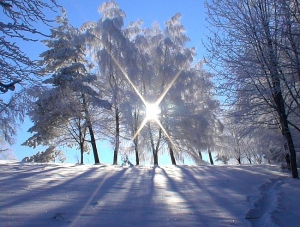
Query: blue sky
(79,12)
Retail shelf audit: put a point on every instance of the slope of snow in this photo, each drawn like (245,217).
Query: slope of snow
(104,195)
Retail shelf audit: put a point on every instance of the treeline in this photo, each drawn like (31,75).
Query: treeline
(98,79)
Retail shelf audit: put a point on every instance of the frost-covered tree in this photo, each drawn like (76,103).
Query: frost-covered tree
(133,111)
(139,66)
(108,48)
(152,85)
(49,155)
(254,48)
(62,112)
(17,23)
(58,121)
(197,127)
(189,98)
(245,142)
(165,70)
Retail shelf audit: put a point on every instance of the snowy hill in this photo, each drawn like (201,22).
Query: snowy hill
(104,195)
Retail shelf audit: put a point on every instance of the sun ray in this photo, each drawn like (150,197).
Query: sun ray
(158,101)
(168,88)
(127,77)
(166,134)
(140,128)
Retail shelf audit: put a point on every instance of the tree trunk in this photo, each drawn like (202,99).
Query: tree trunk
(200,155)
(288,136)
(94,146)
(81,152)
(250,162)
(154,148)
(279,101)
(137,160)
(136,139)
(280,105)
(172,156)
(155,158)
(210,157)
(91,131)
(117,145)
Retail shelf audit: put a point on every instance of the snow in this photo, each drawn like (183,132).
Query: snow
(104,195)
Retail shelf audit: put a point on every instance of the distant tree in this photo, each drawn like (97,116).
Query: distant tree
(49,155)
(246,142)
(5,152)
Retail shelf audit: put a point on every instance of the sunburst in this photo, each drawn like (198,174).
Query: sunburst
(152,109)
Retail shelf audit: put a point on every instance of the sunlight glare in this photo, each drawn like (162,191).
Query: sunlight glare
(152,111)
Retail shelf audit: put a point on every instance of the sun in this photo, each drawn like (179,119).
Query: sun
(152,111)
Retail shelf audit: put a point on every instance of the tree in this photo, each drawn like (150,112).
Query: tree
(165,72)
(195,125)
(138,67)
(5,152)
(246,50)
(17,22)
(62,111)
(58,121)
(108,45)
(49,155)
(132,109)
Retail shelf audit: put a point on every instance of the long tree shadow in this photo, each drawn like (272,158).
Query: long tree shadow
(124,201)
(26,190)
(46,199)
(190,192)
(135,199)
(123,196)
(227,190)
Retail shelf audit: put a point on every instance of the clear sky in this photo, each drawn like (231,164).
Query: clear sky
(81,11)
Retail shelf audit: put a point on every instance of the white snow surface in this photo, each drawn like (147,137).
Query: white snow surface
(34,194)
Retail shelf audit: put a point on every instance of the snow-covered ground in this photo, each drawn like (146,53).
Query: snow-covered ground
(104,195)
